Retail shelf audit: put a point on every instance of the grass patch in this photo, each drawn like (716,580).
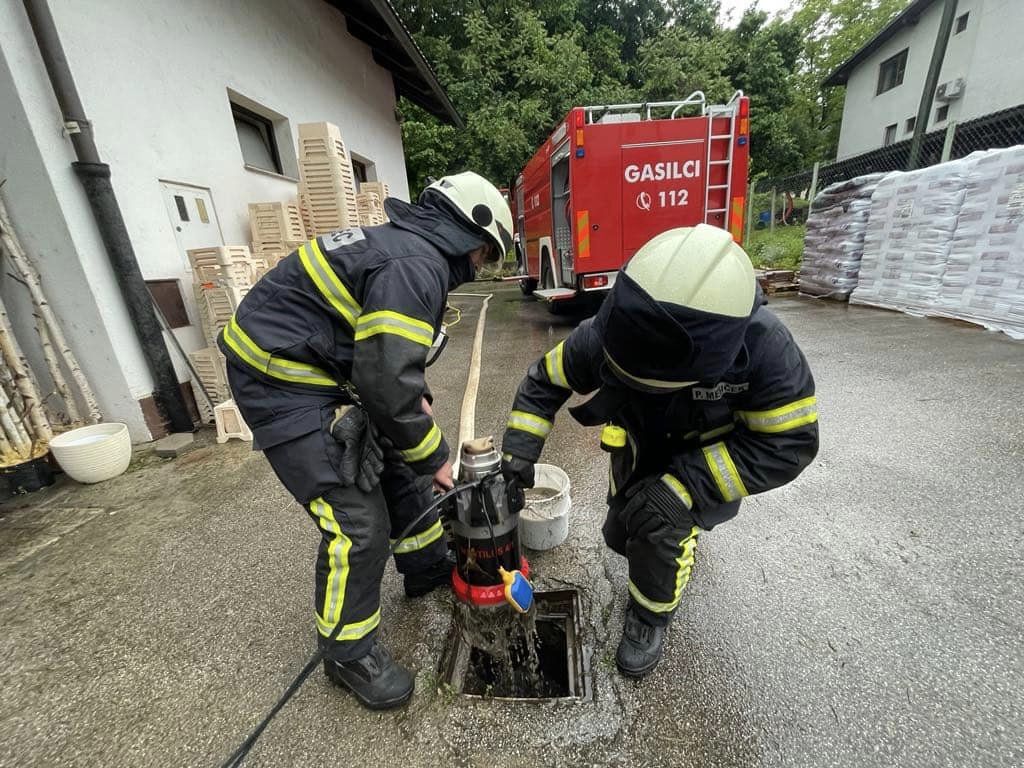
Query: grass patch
(781,249)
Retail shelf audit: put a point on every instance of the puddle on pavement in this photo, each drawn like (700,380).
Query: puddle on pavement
(496,653)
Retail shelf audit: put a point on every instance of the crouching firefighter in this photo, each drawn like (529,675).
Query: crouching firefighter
(326,357)
(706,399)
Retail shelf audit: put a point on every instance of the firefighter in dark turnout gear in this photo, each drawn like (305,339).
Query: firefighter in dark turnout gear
(705,397)
(326,358)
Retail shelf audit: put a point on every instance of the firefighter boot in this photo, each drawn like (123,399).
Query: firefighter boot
(641,644)
(376,679)
(422,582)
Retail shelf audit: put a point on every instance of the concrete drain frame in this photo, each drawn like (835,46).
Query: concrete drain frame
(559,615)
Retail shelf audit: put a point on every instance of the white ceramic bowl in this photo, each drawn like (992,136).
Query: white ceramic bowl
(544,521)
(95,453)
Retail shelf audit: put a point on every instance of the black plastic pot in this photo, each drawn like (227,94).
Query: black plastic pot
(27,477)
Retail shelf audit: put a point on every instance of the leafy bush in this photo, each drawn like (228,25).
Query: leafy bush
(781,249)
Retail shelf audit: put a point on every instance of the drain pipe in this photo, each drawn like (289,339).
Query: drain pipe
(94,175)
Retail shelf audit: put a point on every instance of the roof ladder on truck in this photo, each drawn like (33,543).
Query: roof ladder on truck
(730,110)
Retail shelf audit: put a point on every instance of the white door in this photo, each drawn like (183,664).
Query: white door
(193,218)
(195,225)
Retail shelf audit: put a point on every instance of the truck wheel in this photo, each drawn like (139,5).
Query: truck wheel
(547,280)
(528,285)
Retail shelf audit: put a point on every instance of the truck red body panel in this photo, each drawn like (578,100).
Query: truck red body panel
(606,182)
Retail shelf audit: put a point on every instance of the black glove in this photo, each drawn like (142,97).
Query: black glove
(518,474)
(652,504)
(362,458)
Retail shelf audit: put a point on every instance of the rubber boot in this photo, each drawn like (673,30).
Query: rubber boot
(376,679)
(427,580)
(640,647)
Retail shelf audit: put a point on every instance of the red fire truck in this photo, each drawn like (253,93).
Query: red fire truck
(612,177)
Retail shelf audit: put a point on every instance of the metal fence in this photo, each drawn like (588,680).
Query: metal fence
(999,129)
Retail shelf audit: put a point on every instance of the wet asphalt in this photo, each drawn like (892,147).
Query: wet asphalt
(869,614)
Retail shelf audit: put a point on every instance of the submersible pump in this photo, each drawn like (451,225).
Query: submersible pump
(490,569)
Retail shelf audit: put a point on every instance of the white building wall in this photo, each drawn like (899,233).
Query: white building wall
(154,79)
(50,213)
(988,54)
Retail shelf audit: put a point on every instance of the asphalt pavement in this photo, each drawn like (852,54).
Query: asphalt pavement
(869,614)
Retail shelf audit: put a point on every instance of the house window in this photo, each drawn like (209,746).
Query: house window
(911,122)
(890,135)
(359,170)
(257,140)
(942,113)
(961,23)
(891,71)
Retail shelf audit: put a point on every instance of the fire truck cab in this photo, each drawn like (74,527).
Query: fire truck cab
(612,177)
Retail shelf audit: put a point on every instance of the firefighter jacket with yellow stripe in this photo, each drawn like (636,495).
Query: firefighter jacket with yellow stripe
(355,310)
(751,429)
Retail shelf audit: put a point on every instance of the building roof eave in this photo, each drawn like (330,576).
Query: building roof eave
(908,17)
(376,23)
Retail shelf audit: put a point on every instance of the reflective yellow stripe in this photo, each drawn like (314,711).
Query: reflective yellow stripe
(554,364)
(419,541)
(530,423)
(687,549)
(337,564)
(717,432)
(727,478)
(425,447)
(279,368)
(327,280)
(353,631)
(656,384)
(783,418)
(386,321)
(678,489)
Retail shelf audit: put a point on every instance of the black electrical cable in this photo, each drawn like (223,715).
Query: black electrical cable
(239,754)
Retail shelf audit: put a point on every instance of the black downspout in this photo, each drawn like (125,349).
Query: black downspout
(95,177)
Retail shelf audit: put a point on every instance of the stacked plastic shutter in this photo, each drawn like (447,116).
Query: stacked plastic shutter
(222,276)
(327,190)
(371,209)
(834,242)
(277,230)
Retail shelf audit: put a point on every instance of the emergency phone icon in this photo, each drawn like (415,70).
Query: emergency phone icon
(643,201)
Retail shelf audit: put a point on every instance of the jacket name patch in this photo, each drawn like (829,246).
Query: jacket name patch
(718,391)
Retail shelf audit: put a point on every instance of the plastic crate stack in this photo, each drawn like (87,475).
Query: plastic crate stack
(327,190)
(371,209)
(222,276)
(277,230)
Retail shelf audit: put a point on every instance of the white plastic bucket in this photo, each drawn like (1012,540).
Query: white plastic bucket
(544,521)
(94,453)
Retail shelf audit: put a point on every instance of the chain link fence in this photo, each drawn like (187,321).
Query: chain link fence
(999,129)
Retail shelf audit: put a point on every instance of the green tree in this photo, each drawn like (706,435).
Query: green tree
(833,30)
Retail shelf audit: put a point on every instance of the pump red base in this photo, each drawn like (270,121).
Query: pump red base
(480,595)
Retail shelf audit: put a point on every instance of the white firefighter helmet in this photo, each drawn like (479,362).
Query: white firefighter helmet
(481,204)
(698,267)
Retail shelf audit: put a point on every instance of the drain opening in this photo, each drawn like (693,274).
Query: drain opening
(498,654)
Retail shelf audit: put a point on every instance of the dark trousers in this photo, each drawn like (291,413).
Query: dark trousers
(355,534)
(661,558)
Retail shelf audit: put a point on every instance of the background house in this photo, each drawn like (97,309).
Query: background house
(194,106)
(884,79)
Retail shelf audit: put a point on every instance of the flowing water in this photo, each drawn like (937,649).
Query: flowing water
(513,655)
